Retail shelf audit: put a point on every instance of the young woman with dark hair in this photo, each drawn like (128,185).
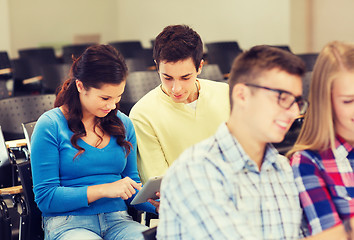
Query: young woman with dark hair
(83,154)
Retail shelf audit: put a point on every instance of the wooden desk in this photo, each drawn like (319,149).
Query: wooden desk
(32,80)
(11,190)
(5,71)
(16,143)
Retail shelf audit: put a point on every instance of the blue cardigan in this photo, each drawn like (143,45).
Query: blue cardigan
(60,182)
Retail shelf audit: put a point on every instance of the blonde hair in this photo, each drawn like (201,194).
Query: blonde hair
(317,132)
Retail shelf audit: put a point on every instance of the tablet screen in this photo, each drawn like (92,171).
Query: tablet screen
(148,191)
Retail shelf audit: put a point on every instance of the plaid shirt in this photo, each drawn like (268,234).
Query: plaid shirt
(326,185)
(215,191)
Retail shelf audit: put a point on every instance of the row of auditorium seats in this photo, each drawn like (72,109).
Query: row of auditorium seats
(39,71)
(42,63)
(32,62)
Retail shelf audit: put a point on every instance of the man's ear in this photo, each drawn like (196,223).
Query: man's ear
(79,85)
(156,65)
(240,93)
(200,67)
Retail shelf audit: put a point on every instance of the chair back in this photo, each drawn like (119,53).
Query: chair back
(53,76)
(145,54)
(4,154)
(5,64)
(227,45)
(136,64)
(223,54)
(309,59)
(32,229)
(4,93)
(306,82)
(17,110)
(138,84)
(45,55)
(211,72)
(7,169)
(23,69)
(150,234)
(74,49)
(5,74)
(127,48)
(28,130)
(36,58)
(282,47)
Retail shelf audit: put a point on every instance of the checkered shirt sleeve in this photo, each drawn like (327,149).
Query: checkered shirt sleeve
(326,188)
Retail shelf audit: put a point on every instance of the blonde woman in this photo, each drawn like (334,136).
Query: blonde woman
(323,155)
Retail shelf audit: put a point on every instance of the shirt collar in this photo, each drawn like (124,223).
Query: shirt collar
(271,156)
(234,153)
(167,98)
(342,147)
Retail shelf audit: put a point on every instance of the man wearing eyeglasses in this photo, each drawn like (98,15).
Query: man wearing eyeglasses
(235,185)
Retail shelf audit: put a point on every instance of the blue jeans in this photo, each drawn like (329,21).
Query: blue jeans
(108,226)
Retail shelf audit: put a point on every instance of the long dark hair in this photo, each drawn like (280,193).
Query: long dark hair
(98,65)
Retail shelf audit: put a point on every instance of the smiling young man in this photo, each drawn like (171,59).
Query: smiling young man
(235,185)
(183,110)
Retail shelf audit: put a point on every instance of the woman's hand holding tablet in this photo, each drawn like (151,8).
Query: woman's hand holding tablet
(148,191)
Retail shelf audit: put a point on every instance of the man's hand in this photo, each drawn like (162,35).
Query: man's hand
(155,203)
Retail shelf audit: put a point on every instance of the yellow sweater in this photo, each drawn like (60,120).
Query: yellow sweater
(164,129)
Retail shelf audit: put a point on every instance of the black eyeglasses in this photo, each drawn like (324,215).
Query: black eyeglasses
(285,99)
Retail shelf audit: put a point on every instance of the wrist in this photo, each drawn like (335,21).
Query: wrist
(95,192)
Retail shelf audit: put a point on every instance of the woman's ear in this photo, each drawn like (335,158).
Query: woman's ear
(79,85)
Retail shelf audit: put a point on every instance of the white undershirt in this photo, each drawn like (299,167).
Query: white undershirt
(192,104)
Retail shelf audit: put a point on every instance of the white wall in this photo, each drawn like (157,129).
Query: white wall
(332,20)
(4,26)
(49,22)
(301,26)
(249,22)
(305,25)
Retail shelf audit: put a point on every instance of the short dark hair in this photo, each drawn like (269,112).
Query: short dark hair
(249,65)
(178,42)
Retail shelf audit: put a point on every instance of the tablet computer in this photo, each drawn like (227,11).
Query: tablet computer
(148,191)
